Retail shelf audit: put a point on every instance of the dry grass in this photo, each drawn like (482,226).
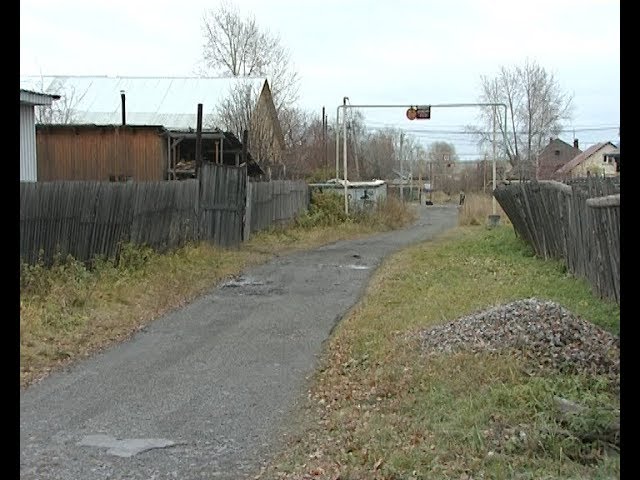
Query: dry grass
(69,312)
(377,409)
(477,208)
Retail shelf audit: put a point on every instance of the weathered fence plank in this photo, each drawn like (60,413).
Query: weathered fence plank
(578,223)
(86,219)
(276,202)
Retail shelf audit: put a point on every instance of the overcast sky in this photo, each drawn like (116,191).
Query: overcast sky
(372,51)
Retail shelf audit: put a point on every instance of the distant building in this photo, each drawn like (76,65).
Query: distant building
(28,156)
(555,155)
(596,160)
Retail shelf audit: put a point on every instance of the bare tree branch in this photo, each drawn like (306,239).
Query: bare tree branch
(536,107)
(62,111)
(236,46)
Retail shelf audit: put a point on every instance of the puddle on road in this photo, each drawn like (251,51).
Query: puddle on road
(350,266)
(241,282)
(251,286)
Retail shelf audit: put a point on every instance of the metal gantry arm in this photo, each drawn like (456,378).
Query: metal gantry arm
(441,105)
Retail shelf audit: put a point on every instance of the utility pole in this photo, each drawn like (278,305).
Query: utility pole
(324,140)
(432,182)
(344,153)
(326,151)
(493,198)
(419,186)
(354,146)
(401,171)
(484,174)
(199,140)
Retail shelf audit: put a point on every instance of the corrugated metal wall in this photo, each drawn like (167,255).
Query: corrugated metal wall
(98,154)
(28,165)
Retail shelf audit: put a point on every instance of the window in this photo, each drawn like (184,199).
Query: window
(557,153)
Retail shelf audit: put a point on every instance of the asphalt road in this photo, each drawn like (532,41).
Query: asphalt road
(202,392)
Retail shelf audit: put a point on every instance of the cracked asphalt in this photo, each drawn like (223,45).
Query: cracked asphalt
(204,391)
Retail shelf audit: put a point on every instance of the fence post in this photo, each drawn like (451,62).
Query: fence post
(199,140)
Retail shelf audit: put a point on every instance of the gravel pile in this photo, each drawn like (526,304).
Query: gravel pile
(544,333)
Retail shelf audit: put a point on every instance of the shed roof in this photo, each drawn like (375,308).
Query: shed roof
(168,101)
(30,97)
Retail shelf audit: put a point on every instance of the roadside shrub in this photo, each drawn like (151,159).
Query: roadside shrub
(38,279)
(326,210)
(134,257)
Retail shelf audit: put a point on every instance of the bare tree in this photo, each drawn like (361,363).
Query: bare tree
(241,110)
(303,138)
(443,157)
(414,154)
(379,155)
(63,110)
(442,153)
(237,46)
(356,137)
(536,106)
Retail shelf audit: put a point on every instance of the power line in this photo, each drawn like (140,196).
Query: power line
(576,127)
(462,132)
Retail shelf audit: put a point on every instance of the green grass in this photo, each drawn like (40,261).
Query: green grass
(378,409)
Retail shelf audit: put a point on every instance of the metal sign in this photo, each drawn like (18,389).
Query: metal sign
(423,112)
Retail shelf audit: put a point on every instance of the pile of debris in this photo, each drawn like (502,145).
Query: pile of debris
(543,332)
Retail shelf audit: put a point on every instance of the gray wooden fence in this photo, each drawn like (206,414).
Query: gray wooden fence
(578,223)
(221,203)
(275,203)
(89,219)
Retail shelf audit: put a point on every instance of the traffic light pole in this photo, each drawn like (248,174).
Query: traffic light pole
(441,105)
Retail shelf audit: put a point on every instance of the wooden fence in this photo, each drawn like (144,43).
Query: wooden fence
(274,203)
(578,223)
(89,219)
(221,203)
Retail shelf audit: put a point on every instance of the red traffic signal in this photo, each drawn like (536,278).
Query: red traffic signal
(421,113)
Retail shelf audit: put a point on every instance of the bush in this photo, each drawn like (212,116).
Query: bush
(326,210)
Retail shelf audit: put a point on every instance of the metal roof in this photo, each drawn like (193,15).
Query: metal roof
(30,97)
(168,101)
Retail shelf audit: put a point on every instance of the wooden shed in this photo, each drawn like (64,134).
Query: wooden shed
(129,152)
(171,102)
